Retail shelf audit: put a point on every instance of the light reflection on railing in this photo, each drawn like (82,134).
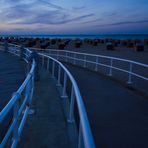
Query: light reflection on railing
(23,94)
(85,135)
(95,60)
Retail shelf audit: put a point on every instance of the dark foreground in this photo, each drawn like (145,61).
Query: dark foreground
(12,74)
(118,116)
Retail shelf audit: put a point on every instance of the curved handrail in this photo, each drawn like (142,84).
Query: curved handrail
(88,54)
(17,52)
(86,131)
(18,93)
(95,61)
(16,126)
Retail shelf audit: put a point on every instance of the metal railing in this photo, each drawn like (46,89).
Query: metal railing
(132,68)
(20,112)
(85,135)
(19,103)
(22,52)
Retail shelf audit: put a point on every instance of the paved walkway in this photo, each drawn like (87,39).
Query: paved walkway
(47,127)
(118,116)
(12,74)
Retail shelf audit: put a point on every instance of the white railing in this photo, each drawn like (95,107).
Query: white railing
(15,49)
(132,68)
(85,135)
(20,102)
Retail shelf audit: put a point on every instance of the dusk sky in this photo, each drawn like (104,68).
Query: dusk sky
(73,16)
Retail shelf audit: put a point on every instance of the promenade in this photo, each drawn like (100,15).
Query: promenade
(47,127)
(117,115)
(12,74)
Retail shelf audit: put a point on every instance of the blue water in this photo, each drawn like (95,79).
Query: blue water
(102,36)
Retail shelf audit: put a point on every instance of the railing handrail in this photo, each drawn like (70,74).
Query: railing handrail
(87,135)
(96,55)
(28,87)
(72,56)
(14,98)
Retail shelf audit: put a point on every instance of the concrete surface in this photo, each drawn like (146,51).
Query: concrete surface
(12,74)
(118,116)
(47,127)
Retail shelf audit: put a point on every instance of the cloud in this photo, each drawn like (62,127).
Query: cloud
(13,13)
(129,22)
(72,14)
(78,8)
(54,18)
(92,21)
(124,23)
(51,4)
(37,12)
(28,10)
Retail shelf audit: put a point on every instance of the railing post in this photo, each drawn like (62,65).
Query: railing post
(59,75)
(129,73)
(34,56)
(53,68)
(110,69)
(80,140)
(97,60)
(71,112)
(32,85)
(15,136)
(84,65)
(28,91)
(64,87)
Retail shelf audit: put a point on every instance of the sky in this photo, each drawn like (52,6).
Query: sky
(73,16)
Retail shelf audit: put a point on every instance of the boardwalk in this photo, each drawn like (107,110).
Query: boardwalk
(117,115)
(48,126)
(12,74)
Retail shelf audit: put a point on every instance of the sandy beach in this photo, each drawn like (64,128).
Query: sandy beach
(121,48)
(119,51)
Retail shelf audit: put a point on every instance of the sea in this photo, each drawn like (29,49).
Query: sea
(90,36)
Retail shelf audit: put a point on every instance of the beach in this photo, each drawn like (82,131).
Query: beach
(126,49)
